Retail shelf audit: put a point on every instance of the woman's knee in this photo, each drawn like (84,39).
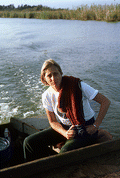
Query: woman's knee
(27,141)
(104,135)
(71,145)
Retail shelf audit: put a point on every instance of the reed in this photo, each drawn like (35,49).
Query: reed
(94,12)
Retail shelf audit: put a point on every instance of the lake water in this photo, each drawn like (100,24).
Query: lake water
(89,50)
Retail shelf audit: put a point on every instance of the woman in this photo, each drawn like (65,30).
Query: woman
(71,118)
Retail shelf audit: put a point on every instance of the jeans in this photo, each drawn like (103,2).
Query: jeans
(38,145)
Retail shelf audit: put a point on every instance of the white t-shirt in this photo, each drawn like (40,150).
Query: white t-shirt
(50,102)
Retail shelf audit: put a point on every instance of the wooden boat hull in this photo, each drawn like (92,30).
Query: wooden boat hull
(39,167)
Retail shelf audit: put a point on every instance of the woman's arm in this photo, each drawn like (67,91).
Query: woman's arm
(104,105)
(57,126)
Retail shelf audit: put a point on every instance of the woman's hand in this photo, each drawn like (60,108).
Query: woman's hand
(91,129)
(70,133)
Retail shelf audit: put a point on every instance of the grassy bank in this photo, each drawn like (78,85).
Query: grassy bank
(108,13)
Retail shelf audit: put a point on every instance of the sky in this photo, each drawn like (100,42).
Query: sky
(58,3)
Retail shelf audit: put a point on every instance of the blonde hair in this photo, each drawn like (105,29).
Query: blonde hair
(48,63)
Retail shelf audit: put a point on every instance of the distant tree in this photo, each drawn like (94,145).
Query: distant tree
(25,6)
(39,7)
(1,7)
(11,7)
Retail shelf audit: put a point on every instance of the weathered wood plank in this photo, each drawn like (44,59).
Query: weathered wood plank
(39,123)
(29,125)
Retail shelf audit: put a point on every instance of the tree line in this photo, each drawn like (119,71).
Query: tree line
(28,7)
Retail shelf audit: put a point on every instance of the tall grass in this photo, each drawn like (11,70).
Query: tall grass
(94,12)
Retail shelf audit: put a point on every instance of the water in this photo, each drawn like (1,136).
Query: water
(89,50)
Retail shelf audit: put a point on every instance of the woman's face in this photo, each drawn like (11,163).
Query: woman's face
(53,77)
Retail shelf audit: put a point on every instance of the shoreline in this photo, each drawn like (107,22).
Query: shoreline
(108,13)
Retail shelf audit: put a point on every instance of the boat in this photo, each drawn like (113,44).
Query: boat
(95,160)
